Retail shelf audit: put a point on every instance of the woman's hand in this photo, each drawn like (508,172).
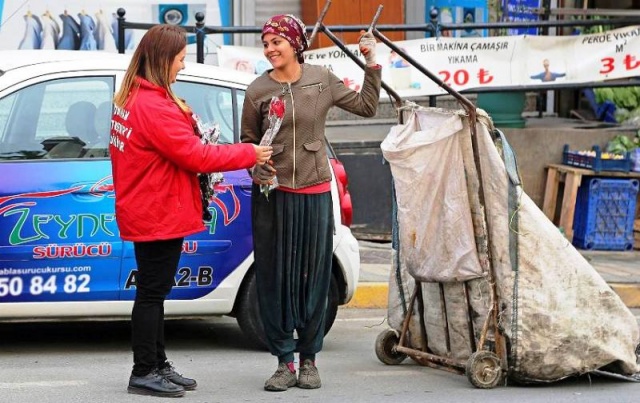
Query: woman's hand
(367,45)
(263,153)
(263,174)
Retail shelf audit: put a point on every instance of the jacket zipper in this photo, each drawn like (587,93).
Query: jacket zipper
(319,85)
(293,116)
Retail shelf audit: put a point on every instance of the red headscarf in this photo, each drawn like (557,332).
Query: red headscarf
(290,28)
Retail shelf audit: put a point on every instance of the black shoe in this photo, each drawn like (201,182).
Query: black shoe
(170,374)
(154,384)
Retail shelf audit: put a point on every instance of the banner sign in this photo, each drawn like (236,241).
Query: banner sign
(468,63)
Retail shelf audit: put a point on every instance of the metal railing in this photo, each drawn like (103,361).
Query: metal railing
(433,28)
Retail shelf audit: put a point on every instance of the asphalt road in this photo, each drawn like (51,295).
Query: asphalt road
(90,362)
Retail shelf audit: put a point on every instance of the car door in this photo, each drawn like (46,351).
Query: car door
(58,236)
(211,256)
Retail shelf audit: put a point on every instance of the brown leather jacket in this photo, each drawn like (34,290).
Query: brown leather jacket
(299,148)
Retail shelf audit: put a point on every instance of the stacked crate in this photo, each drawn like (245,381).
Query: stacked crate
(605,214)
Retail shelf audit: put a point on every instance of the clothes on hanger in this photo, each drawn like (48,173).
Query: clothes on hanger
(128,33)
(104,34)
(32,38)
(70,39)
(87,28)
(50,31)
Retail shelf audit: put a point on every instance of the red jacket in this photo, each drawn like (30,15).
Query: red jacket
(155,157)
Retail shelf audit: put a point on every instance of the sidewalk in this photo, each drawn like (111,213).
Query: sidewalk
(621,270)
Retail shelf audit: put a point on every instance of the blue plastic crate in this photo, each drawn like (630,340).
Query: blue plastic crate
(604,214)
(596,162)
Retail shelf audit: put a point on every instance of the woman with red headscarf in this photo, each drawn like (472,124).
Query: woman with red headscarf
(293,224)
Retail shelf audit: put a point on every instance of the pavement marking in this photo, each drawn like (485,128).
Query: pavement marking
(376,295)
(370,295)
(41,384)
(629,293)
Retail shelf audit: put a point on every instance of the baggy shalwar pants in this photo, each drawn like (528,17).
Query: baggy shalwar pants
(293,246)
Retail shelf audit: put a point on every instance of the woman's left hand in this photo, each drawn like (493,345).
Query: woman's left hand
(367,44)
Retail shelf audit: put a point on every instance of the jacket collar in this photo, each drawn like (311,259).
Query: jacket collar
(148,85)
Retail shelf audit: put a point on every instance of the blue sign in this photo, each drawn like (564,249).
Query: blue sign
(518,11)
(460,12)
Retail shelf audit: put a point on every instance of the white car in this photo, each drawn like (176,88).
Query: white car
(61,256)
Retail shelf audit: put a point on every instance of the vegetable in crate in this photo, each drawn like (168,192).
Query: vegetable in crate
(620,144)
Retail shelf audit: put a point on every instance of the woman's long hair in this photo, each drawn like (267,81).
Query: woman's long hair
(152,60)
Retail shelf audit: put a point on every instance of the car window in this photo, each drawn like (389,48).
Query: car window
(212,103)
(62,118)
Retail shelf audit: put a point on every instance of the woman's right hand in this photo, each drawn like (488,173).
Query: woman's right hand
(263,153)
(263,174)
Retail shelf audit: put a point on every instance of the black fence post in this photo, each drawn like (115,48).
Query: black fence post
(200,37)
(434,32)
(121,12)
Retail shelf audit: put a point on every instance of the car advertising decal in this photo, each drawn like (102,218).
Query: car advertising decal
(64,244)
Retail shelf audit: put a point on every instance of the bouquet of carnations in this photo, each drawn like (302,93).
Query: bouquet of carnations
(209,133)
(276,115)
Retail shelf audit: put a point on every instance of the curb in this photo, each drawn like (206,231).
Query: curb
(629,293)
(370,296)
(376,295)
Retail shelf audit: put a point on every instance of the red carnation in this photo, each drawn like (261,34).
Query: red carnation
(276,107)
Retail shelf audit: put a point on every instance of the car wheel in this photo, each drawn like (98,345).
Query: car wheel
(248,314)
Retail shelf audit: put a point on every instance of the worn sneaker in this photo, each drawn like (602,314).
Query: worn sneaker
(170,374)
(154,384)
(281,380)
(308,376)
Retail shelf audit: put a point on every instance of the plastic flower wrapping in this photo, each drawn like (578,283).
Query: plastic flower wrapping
(276,115)
(209,133)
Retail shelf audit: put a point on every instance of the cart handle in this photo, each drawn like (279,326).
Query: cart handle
(468,106)
(375,19)
(360,63)
(319,22)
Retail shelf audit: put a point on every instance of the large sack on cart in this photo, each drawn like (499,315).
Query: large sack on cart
(558,316)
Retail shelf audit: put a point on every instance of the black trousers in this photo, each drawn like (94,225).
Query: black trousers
(157,264)
(293,246)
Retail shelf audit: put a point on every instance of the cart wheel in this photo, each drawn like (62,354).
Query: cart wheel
(386,344)
(483,369)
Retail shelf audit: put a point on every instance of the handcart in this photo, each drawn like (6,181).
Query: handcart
(486,366)
(502,317)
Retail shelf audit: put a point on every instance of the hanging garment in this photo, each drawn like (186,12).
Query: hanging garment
(50,32)
(33,33)
(87,37)
(104,33)
(128,33)
(70,39)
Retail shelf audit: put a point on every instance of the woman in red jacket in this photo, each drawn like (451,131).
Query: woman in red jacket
(156,154)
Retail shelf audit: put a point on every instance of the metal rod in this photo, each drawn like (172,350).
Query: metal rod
(316,27)
(338,42)
(466,104)
(200,36)
(407,319)
(375,19)
(121,24)
(431,357)
(597,12)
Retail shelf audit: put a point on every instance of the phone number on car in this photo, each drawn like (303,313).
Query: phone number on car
(37,285)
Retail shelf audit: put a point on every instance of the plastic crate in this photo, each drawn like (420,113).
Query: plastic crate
(604,214)
(597,164)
